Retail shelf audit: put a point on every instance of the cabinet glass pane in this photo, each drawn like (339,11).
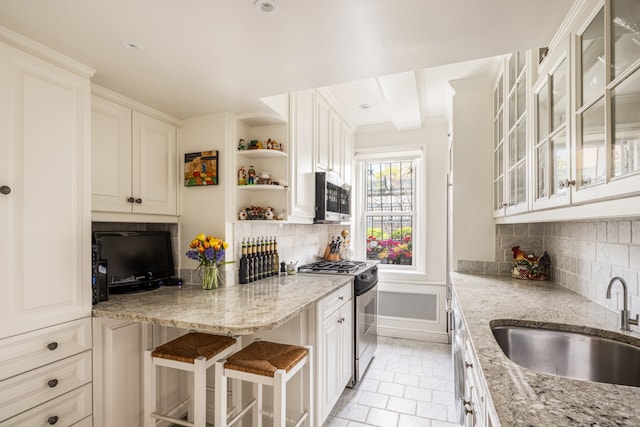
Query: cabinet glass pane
(498,161)
(522,183)
(542,110)
(625,26)
(626,120)
(521,62)
(559,163)
(542,170)
(499,196)
(522,139)
(591,153)
(559,97)
(512,187)
(522,96)
(512,109)
(512,71)
(593,61)
(513,148)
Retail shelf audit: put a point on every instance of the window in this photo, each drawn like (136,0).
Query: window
(390,210)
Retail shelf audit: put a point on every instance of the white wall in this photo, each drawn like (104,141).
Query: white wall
(432,139)
(473,224)
(206,209)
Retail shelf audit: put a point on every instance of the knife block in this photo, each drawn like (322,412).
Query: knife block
(329,256)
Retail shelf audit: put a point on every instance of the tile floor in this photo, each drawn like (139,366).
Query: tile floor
(409,384)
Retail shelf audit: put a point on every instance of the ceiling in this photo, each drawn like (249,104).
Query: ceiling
(206,56)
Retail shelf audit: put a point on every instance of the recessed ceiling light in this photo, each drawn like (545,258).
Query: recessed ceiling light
(132,46)
(364,106)
(266,6)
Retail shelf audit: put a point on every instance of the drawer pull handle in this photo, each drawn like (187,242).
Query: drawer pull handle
(53,420)
(5,189)
(52,345)
(52,383)
(341,298)
(138,201)
(130,199)
(468,365)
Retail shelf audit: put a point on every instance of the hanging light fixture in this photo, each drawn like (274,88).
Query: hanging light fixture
(266,6)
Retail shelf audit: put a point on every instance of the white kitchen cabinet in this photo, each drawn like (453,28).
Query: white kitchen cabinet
(302,159)
(333,139)
(45,195)
(335,348)
(134,161)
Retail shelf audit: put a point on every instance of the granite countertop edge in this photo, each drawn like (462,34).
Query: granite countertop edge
(235,310)
(520,396)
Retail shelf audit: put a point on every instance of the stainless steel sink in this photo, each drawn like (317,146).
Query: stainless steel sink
(571,354)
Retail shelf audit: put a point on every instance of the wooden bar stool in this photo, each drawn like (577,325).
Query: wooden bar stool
(194,352)
(265,363)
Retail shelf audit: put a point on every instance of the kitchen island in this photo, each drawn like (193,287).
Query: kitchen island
(520,396)
(286,309)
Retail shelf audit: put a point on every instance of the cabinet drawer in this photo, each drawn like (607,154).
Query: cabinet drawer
(87,422)
(22,392)
(65,410)
(332,302)
(28,351)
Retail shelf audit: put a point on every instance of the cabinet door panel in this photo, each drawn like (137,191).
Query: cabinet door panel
(302,157)
(110,156)
(44,251)
(331,360)
(323,129)
(154,165)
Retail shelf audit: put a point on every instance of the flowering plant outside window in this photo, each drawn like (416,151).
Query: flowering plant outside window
(390,251)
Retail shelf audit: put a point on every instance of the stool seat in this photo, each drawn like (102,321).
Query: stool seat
(189,347)
(265,358)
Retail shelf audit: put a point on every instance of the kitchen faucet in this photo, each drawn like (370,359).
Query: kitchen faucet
(624,314)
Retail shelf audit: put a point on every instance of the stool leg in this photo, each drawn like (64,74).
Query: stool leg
(190,387)
(149,390)
(236,395)
(220,386)
(256,411)
(199,392)
(279,399)
(308,392)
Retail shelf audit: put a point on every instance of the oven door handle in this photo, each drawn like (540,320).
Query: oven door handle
(367,289)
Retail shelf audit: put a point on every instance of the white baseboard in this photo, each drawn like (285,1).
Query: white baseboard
(412,334)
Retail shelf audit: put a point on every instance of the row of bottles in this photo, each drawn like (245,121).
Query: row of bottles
(259,259)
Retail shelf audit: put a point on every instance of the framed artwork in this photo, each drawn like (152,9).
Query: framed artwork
(201,168)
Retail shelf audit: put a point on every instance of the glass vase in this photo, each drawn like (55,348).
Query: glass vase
(210,276)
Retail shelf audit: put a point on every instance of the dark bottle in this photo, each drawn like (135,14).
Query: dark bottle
(263,258)
(252,260)
(269,258)
(260,260)
(276,257)
(244,264)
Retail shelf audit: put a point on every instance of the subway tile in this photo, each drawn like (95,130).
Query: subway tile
(536,229)
(592,231)
(601,231)
(635,232)
(612,253)
(550,229)
(634,257)
(521,229)
(612,231)
(505,230)
(624,232)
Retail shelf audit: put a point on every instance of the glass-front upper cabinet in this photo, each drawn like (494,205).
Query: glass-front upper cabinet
(551,135)
(498,148)
(516,134)
(608,103)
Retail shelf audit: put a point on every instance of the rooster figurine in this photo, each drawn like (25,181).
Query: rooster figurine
(529,266)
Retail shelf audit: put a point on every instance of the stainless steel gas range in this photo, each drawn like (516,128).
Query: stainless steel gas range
(365,309)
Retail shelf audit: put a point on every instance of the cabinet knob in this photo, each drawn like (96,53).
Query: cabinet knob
(5,189)
(139,201)
(52,383)
(52,345)
(53,420)
(468,365)
(131,200)
(341,297)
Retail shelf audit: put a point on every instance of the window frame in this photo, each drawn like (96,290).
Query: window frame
(418,233)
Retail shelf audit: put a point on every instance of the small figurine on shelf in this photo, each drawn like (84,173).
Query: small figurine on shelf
(242,176)
(259,145)
(280,216)
(241,145)
(269,144)
(268,213)
(243,214)
(253,144)
(251,175)
(264,178)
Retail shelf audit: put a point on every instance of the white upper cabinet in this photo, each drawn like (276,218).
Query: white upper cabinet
(551,150)
(45,216)
(607,117)
(302,185)
(134,161)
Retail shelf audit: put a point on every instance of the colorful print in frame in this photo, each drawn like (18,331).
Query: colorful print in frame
(201,168)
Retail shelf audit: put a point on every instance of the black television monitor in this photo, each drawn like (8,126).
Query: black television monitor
(136,260)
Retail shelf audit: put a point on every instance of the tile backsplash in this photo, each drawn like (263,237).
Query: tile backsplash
(585,255)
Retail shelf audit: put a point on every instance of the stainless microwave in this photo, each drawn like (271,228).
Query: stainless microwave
(333,199)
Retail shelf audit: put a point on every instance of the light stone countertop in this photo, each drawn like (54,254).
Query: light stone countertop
(235,310)
(523,397)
